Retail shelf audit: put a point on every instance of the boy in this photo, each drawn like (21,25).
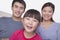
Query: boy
(31,21)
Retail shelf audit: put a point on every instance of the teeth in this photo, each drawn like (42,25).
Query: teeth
(17,13)
(46,16)
(29,27)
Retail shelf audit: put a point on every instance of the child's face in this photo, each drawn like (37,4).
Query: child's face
(30,24)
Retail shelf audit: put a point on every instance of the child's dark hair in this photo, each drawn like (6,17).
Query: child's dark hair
(20,1)
(49,4)
(33,13)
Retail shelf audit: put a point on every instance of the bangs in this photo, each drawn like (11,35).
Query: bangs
(34,14)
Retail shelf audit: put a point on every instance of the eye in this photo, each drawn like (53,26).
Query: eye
(16,6)
(44,10)
(50,11)
(27,18)
(35,20)
(21,7)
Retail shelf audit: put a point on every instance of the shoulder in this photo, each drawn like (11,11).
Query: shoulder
(56,24)
(18,32)
(5,18)
(16,35)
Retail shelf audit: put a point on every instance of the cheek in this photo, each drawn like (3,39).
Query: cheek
(43,13)
(35,25)
(50,14)
(25,22)
(21,11)
(13,10)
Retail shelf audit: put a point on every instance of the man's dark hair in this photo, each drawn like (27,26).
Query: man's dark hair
(20,1)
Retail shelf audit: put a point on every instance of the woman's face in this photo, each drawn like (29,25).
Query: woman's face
(47,13)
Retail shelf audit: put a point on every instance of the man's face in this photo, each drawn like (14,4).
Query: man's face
(17,9)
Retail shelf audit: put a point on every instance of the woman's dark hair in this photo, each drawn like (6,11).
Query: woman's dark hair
(49,4)
(33,13)
(20,1)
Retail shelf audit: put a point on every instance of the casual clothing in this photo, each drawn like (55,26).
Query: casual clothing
(8,26)
(19,35)
(52,33)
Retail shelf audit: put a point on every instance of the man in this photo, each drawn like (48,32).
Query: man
(10,25)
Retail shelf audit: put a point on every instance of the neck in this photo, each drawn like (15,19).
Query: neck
(29,34)
(46,24)
(47,21)
(16,18)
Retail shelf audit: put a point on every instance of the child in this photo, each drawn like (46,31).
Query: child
(31,21)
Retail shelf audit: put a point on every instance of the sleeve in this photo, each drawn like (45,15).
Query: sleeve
(59,32)
(14,36)
(1,26)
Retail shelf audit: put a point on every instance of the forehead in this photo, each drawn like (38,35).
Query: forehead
(47,8)
(31,18)
(18,4)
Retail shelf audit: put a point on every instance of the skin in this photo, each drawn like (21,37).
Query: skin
(30,24)
(17,10)
(47,14)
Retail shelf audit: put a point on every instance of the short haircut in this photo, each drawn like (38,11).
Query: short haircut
(20,1)
(33,13)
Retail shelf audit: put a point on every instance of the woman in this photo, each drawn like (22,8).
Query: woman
(49,30)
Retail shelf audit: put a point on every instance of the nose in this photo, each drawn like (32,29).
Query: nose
(46,12)
(30,22)
(18,9)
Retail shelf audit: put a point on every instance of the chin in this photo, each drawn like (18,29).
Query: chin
(18,16)
(46,18)
(29,31)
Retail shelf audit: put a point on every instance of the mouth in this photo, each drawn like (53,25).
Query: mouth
(18,13)
(46,16)
(29,27)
